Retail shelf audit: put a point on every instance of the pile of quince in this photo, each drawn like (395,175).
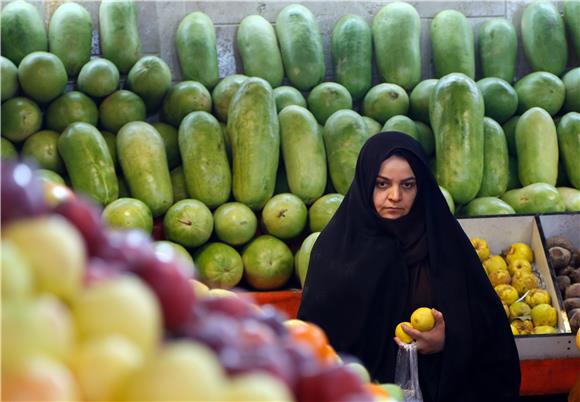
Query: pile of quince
(520,288)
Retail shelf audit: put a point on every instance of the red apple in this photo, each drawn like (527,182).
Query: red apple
(85,215)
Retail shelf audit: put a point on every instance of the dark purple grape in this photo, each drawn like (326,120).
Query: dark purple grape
(268,358)
(132,248)
(170,284)
(273,318)
(230,306)
(85,215)
(302,358)
(99,270)
(22,195)
(216,331)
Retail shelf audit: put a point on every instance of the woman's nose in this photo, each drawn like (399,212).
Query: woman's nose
(395,194)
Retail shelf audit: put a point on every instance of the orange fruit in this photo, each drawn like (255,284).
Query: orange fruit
(311,335)
(330,357)
(376,390)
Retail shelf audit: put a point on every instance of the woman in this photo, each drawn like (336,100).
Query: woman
(394,246)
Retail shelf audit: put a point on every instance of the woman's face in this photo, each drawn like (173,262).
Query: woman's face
(395,188)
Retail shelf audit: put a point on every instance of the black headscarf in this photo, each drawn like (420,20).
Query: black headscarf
(356,287)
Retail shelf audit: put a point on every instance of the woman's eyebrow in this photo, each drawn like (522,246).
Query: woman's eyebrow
(405,179)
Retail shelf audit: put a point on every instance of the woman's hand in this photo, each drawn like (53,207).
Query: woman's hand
(431,341)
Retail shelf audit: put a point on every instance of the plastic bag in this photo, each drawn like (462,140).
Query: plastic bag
(407,373)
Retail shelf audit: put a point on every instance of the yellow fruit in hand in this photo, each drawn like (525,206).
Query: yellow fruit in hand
(401,334)
(481,248)
(494,262)
(519,265)
(520,250)
(422,319)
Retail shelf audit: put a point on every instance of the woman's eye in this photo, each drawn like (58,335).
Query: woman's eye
(409,185)
(381,184)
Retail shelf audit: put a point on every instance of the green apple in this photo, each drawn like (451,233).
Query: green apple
(322,211)
(181,371)
(219,265)
(55,251)
(123,305)
(103,364)
(128,213)
(188,222)
(268,263)
(235,223)
(285,216)
(302,258)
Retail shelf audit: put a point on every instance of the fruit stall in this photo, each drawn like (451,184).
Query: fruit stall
(167,167)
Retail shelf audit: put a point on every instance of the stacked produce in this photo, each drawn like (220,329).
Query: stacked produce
(520,287)
(565,259)
(242,171)
(91,313)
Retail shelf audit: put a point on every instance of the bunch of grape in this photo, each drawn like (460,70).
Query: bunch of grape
(93,313)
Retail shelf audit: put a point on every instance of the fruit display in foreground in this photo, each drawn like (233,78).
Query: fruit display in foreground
(103,315)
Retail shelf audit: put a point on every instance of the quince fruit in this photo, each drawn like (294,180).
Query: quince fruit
(520,250)
(494,262)
(538,296)
(524,327)
(524,281)
(519,310)
(481,248)
(545,329)
(514,329)
(519,265)
(544,314)
(499,277)
(507,293)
